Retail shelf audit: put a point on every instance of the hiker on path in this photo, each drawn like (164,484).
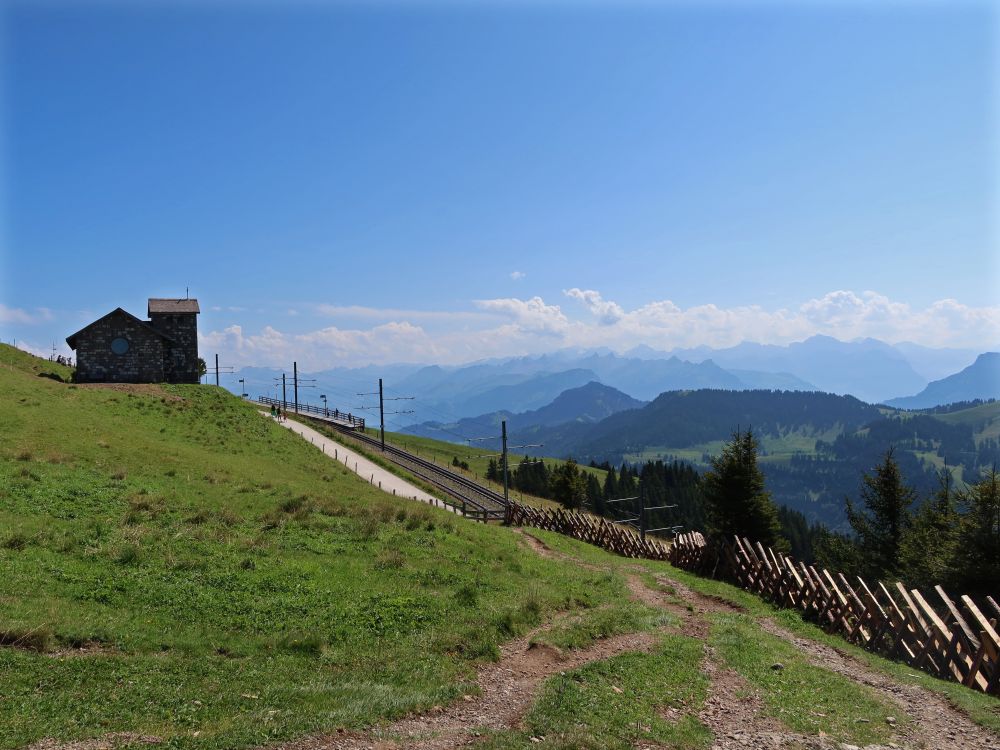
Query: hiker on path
(273,412)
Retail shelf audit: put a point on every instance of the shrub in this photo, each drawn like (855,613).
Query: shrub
(390,559)
(16,541)
(37,639)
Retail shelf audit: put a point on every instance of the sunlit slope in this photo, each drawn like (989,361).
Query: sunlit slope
(172,563)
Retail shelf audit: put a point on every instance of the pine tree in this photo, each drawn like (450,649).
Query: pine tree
(595,497)
(884,521)
(492,471)
(979,537)
(929,547)
(611,485)
(568,485)
(735,498)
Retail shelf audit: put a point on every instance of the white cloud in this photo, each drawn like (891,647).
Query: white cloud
(22,316)
(513,327)
(517,275)
(531,315)
(607,312)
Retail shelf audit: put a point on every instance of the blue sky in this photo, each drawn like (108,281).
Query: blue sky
(443,182)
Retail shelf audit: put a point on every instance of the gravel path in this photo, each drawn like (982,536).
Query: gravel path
(374,474)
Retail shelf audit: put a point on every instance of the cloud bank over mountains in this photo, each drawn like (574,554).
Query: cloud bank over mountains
(513,326)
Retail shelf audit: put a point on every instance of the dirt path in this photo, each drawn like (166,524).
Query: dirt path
(733,710)
(508,689)
(936,723)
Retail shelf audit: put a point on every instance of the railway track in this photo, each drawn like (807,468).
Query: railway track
(475,500)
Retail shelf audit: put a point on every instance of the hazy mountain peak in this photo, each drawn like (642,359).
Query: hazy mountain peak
(980,380)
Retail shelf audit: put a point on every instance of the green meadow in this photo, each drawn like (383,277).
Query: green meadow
(174,564)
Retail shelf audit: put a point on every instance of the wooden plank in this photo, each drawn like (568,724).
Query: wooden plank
(859,611)
(990,636)
(963,626)
(902,630)
(942,633)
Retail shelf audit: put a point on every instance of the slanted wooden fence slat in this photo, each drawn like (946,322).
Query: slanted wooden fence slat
(955,640)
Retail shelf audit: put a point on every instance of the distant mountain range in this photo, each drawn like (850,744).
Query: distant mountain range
(871,370)
(815,446)
(682,405)
(980,380)
(587,404)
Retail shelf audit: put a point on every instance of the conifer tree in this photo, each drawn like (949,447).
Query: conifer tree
(568,485)
(595,496)
(881,525)
(735,499)
(929,547)
(611,485)
(979,537)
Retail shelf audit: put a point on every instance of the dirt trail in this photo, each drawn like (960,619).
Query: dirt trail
(936,724)
(733,710)
(508,689)
(107,742)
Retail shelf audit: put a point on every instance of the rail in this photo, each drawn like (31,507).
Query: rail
(342,419)
(474,500)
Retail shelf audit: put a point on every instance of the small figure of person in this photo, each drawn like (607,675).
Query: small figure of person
(279,413)
(274,412)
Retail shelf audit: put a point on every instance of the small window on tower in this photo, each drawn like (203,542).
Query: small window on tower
(119,345)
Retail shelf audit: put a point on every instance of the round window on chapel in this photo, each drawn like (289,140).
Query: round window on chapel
(119,345)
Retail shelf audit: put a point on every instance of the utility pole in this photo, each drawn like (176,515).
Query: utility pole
(297,383)
(218,369)
(295,380)
(381,414)
(284,393)
(381,409)
(503,441)
(642,512)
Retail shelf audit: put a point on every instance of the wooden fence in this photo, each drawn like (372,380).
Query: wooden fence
(598,531)
(951,639)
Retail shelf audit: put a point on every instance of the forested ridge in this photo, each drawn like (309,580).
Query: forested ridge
(814,446)
(941,480)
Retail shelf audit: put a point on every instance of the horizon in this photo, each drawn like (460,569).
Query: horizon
(349,185)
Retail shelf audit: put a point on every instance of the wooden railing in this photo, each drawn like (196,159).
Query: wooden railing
(953,640)
(598,531)
(344,419)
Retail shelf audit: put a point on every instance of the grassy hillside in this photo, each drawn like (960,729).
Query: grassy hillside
(984,419)
(174,564)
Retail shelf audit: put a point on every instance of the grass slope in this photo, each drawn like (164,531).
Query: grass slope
(174,564)
(983,418)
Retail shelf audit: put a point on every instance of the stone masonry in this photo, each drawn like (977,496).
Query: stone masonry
(121,348)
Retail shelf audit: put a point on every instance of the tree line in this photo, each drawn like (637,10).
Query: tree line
(949,537)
